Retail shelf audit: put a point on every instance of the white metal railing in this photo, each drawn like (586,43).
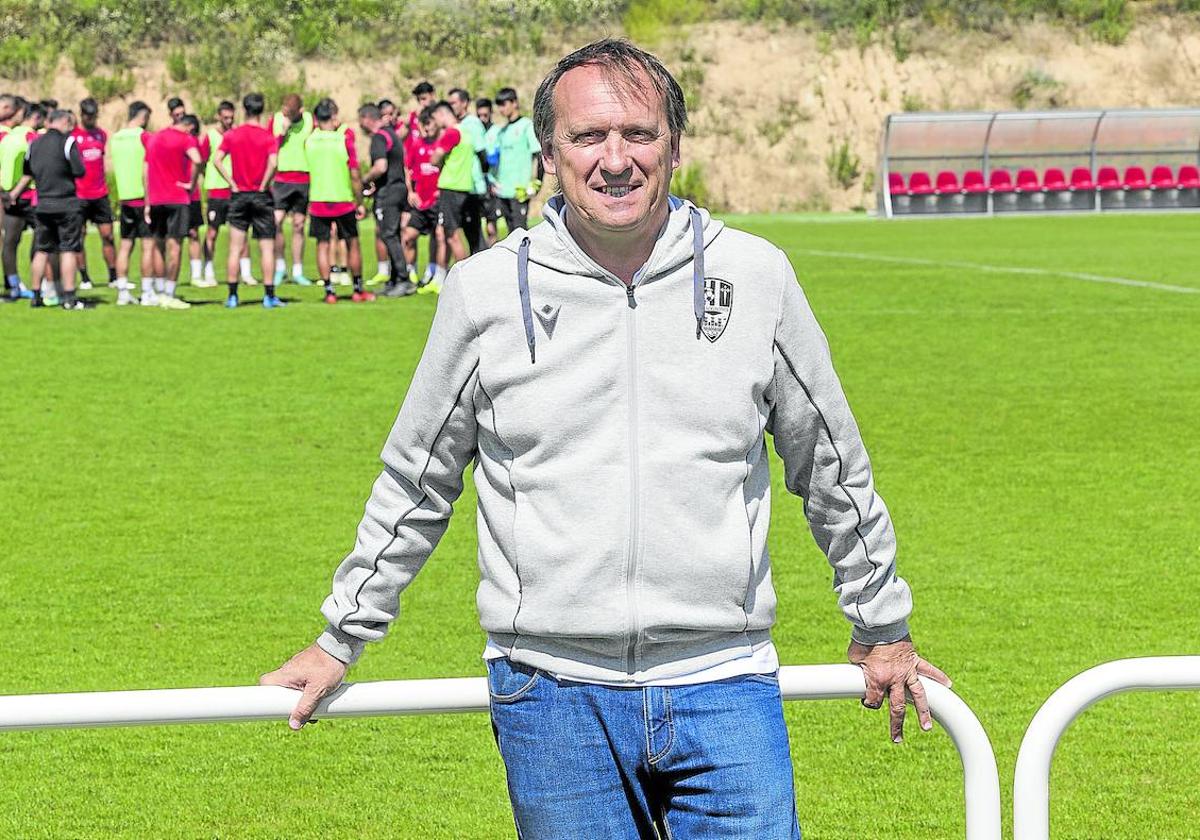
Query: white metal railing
(1031,787)
(398,697)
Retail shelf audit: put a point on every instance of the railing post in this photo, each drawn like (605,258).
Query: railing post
(470,694)
(1031,786)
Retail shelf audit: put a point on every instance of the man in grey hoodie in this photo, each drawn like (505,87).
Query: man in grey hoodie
(612,374)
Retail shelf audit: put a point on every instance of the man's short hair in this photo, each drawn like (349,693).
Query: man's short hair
(458,93)
(483,102)
(253,104)
(20,105)
(384,103)
(61,114)
(35,109)
(426,114)
(192,122)
(49,105)
(440,104)
(174,102)
(627,64)
(324,110)
(422,88)
(225,105)
(370,111)
(136,107)
(505,95)
(292,100)
(89,107)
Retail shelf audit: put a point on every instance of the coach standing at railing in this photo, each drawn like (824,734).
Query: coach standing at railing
(612,373)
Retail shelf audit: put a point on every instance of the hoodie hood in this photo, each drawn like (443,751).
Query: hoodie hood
(688,231)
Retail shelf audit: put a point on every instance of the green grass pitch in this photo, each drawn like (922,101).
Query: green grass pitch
(179,486)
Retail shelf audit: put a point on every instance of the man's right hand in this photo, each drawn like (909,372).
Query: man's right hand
(312,671)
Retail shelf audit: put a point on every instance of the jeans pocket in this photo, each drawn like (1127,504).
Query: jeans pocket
(509,681)
(771,679)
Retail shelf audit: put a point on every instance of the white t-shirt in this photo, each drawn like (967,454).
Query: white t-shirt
(762,659)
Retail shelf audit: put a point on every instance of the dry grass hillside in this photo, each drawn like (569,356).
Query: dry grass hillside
(772,107)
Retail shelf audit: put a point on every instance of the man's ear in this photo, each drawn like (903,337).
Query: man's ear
(548,159)
(675,138)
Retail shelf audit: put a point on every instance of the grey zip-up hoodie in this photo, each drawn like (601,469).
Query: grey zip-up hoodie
(620,458)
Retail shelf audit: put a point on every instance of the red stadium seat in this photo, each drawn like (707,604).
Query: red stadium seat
(1027,181)
(1162,178)
(1081,179)
(1108,179)
(973,182)
(896,184)
(947,183)
(1135,178)
(1055,181)
(919,184)
(1189,178)
(1000,182)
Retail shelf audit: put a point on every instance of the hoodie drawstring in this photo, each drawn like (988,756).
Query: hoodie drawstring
(697,282)
(697,268)
(523,291)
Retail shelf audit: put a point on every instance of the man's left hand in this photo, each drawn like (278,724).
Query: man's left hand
(891,670)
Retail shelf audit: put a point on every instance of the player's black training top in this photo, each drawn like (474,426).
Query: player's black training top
(385,143)
(54,162)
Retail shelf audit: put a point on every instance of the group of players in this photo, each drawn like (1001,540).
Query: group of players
(446,171)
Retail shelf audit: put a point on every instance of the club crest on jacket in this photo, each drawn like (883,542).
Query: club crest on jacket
(718,302)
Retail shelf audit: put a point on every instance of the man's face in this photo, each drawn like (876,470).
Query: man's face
(484,114)
(225,119)
(444,117)
(292,112)
(7,108)
(87,120)
(424,100)
(369,125)
(177,113)
(612,151)
(37,121)
(429,129)
(508,107)
(459,105)
(388,114)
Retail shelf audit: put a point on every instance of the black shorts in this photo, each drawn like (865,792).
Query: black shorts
(423,221)
(319,227)
(21,209)
(252,210)
(452,209)
(133,222)
(515,213)
(169,221)
(195,215)
(491,208)
(58,233)
(387,219)
(218,211)
(98,211)
(290,198)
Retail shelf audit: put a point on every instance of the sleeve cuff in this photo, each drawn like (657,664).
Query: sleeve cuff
(882,635)
(341,645)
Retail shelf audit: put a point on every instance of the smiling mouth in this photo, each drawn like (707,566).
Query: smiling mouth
(617,191)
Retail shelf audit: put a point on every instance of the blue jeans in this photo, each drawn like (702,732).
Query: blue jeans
(696,761)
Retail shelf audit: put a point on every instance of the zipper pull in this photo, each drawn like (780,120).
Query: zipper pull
(629,296)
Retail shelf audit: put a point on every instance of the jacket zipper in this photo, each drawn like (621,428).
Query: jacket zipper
(633,619)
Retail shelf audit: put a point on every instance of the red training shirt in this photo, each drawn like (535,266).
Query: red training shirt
(425,174)
(248,147)
(168,166)
(91,143)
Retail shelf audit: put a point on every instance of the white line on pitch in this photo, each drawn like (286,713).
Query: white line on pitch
(1002,269)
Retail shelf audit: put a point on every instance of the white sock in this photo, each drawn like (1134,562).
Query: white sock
(169,287)
(244,262)
(147,285)
(280,265)
(196,266)
(297,270)
(385,269)
(122,282)
(160,283)
(209,272)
